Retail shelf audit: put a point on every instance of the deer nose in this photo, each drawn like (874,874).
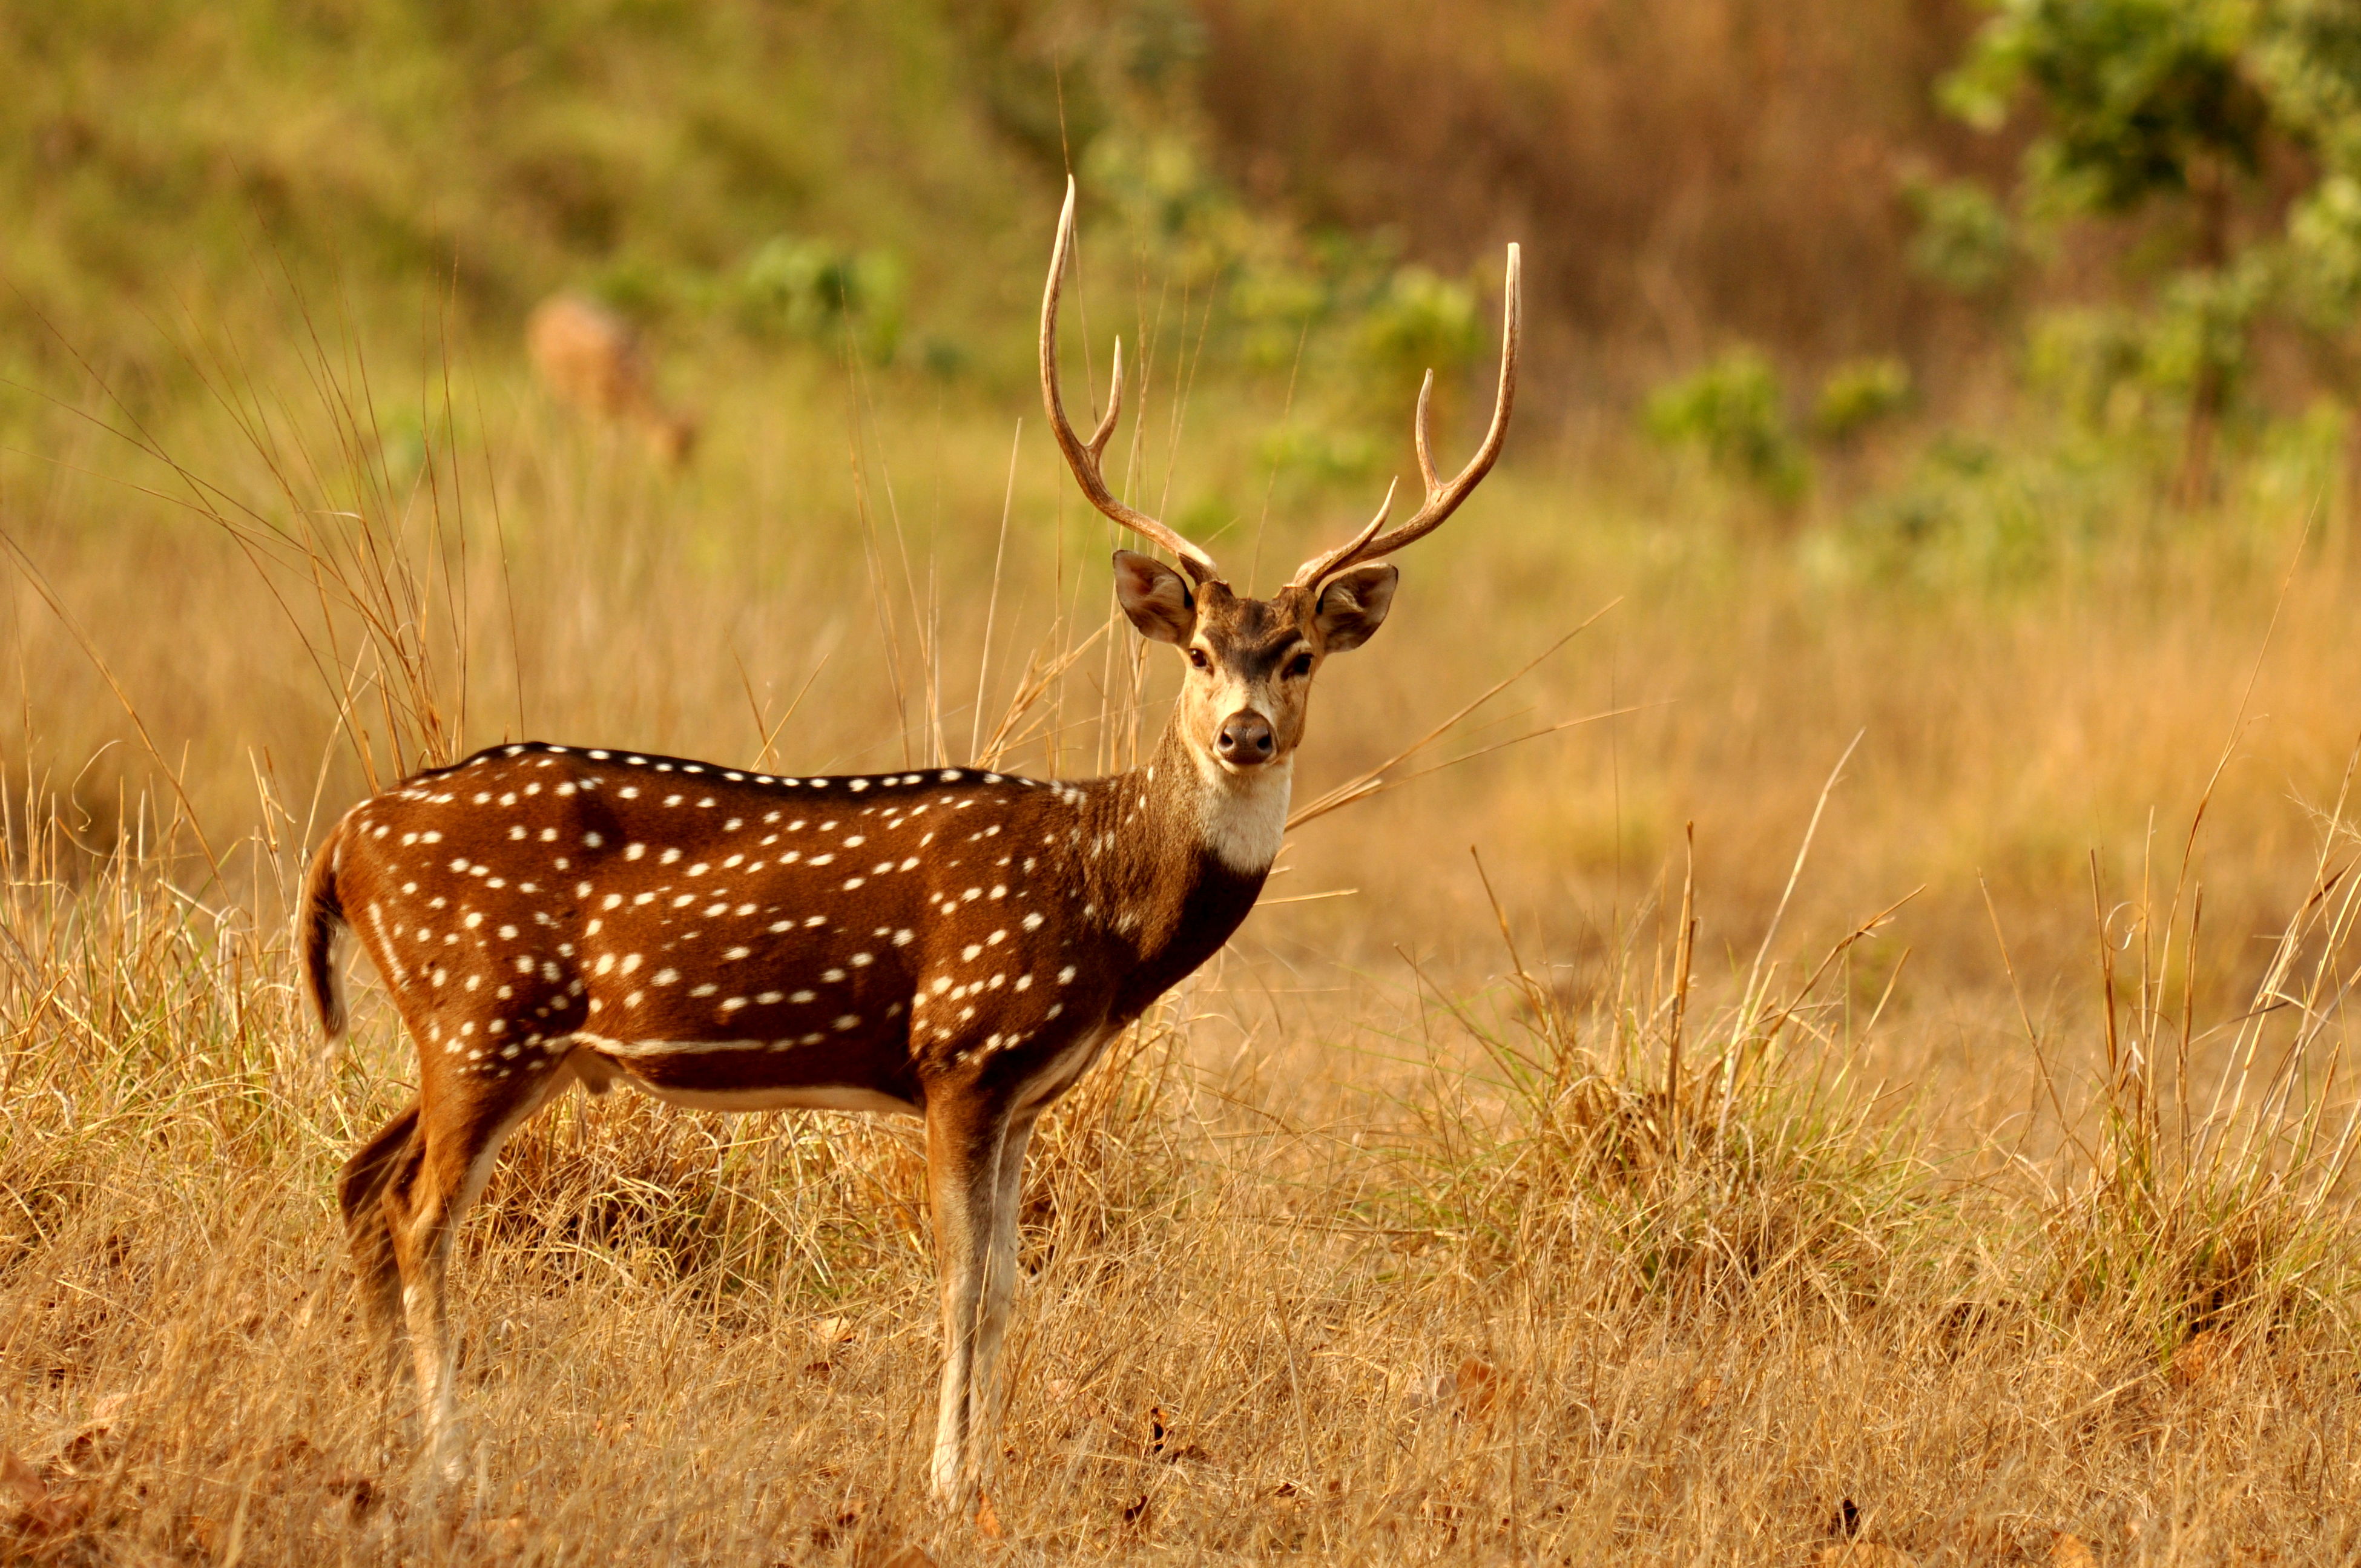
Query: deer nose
(1245,739)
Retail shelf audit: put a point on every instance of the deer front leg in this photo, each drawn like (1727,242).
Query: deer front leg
(964,1147)
(999,1279)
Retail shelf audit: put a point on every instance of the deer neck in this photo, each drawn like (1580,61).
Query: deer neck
(1235,817)
(1177,852)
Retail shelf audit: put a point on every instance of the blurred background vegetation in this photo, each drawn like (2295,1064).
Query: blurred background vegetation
(1817,248)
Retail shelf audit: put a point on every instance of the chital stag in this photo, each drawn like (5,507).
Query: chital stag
(945,942)
(592,358)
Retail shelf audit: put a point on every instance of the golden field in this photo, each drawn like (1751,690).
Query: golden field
(1384,1241)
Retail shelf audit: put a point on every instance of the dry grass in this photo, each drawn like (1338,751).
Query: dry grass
(1645,1214)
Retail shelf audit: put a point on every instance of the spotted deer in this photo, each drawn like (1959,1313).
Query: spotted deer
(947,942)
(592,359)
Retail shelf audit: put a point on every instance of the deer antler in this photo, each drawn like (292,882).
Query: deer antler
(1082,456)
(1442,499)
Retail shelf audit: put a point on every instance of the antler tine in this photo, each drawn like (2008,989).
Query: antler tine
(1082,456)
(1441,499)
(1099,437)
(1419,437)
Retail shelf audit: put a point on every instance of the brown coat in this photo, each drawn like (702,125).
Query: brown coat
(736,940)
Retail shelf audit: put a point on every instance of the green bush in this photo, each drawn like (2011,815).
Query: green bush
(1317,456)
(1733,411)
(813,288)
(1964,240)
(1420,323)
(2086,361)
(1860,393)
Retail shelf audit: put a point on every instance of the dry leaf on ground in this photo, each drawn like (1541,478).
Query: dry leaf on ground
(20,1485)
(1163,1443)
(84,1445)
(27,1505)
(1473,1391)
(2204,1361)
(1480,1387)
(360,1493)
(2071,1551)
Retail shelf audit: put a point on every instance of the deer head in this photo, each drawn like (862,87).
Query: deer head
(1251,661)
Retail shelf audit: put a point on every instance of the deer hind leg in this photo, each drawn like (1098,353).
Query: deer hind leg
(965,1157)
(423,1202)
(360,1193)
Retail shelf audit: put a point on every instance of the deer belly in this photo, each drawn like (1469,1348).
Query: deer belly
(820,1097)
(1057,1074)
(762,1074)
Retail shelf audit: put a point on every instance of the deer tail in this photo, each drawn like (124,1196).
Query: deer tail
(316,925)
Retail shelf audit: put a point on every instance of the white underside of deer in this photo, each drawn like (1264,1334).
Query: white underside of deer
(951,943)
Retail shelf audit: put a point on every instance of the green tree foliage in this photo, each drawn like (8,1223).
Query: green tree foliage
(2138,97)
(2313,61)
(2174,107)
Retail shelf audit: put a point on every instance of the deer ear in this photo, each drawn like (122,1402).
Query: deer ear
(1156,598)
(1354,605)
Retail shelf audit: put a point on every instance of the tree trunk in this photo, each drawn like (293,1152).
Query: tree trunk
(2193,487)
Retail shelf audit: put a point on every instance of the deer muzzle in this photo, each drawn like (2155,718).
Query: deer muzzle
(1245,739)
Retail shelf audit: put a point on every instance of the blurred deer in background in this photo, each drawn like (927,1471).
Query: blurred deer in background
(590,358)
(949,943)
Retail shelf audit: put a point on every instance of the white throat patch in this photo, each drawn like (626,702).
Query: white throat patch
(1243,814)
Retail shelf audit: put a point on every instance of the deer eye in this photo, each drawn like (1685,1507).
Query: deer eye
(1197,659)
(1299,666)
